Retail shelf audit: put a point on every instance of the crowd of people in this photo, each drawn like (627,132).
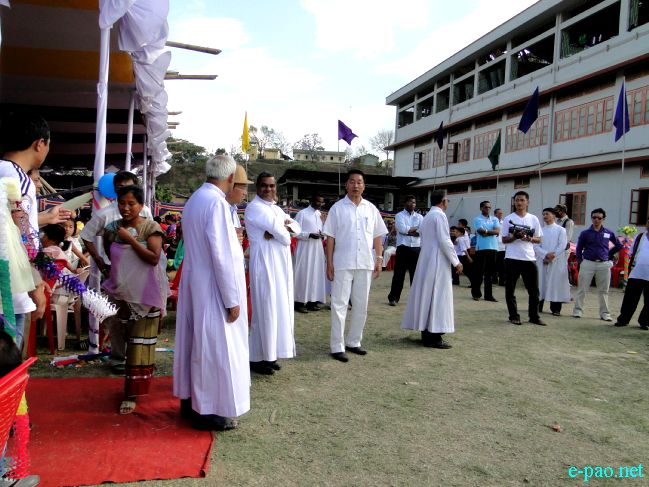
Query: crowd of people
(241,283)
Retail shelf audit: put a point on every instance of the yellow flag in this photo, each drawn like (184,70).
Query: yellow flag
(245,137)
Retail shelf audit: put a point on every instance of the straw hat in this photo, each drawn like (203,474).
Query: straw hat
(240,176)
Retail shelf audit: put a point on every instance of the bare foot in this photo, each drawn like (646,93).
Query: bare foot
(127,406)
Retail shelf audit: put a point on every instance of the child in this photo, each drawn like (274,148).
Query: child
(77,259)
(461,249)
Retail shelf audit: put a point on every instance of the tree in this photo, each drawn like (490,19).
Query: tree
(312,143)
(184,152)
(381,140)
(360,151)
(187,169)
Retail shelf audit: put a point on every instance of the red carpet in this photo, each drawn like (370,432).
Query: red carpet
(79,438)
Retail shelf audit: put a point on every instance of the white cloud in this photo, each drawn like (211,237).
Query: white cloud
(452,37)
(221,33)
(367,28)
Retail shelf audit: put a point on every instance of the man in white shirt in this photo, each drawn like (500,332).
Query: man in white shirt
(499,276)
(408,246)
(237,196)
(310,267)
(520,231)
(353,228)
(91,236)
(271,278)
(637,284)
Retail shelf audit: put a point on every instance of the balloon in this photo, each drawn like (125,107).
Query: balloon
(106,186)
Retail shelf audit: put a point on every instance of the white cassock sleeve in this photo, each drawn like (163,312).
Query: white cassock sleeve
(218,231)
(267,220)
(445,244)
(299,218)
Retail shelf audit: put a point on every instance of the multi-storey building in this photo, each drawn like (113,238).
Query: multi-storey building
(578,53)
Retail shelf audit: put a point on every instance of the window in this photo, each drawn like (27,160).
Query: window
(584,120)
(457,188)
(591,30)
(533,57)
(491,77)
(443,100)
(483,185)
(638,102)
(463,90)
(332,158)
(577,177)
(644,170)
(421,160)
(438,160)
(425,108)
(638,211)
(406,117)
(576,204)
(458,151)
(537,135)
(482,143)
(638,14)
(522,182)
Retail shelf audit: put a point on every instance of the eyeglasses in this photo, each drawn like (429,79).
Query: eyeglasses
(597,217)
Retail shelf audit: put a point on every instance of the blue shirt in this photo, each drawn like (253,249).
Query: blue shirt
(489,242)
(594,245)
(404,221)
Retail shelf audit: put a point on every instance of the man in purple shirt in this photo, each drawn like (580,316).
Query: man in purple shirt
(595,249)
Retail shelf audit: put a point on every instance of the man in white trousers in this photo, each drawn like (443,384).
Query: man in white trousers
(353,228)
(310,273)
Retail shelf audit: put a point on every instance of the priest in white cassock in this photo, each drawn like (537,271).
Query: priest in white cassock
(552,263)
(310,272)
(430,302)
(211,371)
(271,278)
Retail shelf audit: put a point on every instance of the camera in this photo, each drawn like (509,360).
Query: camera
(520,231)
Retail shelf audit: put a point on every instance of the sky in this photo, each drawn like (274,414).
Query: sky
(298,66)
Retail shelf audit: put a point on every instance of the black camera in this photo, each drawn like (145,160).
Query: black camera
(520,231)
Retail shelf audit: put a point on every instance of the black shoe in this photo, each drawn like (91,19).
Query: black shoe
(644,327)
(515,321)
(356,350)
(556,313)
(313,307)
(441,344)
(213,422)
(476,299)
(273,365)
(618,324)
(491,299)
(538,321)
(392,302)
(186,410)
(340,356)
(300,308)
(261,368)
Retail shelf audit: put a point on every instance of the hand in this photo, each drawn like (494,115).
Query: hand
(377,268)
(125,235)
(57,215)
(330,272)
(233,314)
(550,256)
(268,235)
(314,236)
(38,296)
(482,232)
(240,235)
(459,268)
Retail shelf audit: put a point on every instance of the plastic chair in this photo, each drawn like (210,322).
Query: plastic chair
(12,387)
(619,267)
(62,304)
(390,264)
(49,325)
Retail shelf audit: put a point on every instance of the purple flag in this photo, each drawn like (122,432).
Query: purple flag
(531,112)
(439,136)
(345,133)
(621,120)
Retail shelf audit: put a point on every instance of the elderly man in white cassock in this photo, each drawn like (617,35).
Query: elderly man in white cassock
(430,302)
(310,272)
(552,264)
(271,278)
(211,372)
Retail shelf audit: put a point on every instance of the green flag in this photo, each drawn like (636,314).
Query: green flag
(494,154)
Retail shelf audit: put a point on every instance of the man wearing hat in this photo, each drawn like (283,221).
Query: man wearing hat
(563,220)
(237,195)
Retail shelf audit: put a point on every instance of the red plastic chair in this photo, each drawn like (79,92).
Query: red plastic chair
(49,323)
(618,268)
(12,387)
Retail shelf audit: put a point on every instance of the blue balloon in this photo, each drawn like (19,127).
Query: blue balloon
(106,186)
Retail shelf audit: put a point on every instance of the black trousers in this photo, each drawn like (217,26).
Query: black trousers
(405,260)
(499,275)
(634,289)
(484,265)
(554,307)
(530,274)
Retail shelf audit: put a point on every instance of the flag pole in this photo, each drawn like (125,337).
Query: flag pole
(338,195)
(624,115)
(497,181)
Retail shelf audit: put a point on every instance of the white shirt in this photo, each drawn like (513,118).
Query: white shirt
(518,249)
(354,228)
(235,216)
(21,301)
(405,221)
(460,245)
(641,264)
